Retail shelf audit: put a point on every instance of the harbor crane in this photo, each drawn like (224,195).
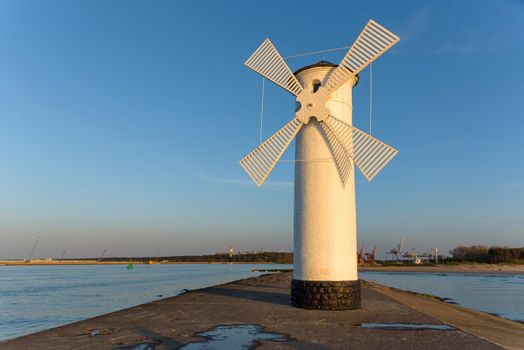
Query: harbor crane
(360,255)
(429,256)
(434,252)
(370,257)
(102,255)
(396,252)
(412,256)
(33,250)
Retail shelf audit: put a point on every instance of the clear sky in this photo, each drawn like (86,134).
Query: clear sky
(122,123)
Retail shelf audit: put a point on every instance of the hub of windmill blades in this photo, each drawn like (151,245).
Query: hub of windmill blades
(348,143)
(311,105)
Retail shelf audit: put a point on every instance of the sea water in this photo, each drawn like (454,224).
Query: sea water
(34,298)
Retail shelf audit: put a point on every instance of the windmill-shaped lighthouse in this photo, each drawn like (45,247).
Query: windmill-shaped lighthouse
(327,148)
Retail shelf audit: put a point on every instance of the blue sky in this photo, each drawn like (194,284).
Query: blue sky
(122,123)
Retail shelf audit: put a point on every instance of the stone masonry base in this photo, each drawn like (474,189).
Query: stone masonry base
(326,295)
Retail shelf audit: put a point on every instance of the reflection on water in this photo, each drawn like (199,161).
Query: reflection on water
(224,337)
(34,298)
(500,294)
(233,337)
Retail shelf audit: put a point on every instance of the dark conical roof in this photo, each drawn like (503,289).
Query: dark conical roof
(322,63)
(318,64)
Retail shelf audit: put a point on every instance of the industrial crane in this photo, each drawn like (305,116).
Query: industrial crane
(370,257)
(32,250)
(360,255)
(397,251)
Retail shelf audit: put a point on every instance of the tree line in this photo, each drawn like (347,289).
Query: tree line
(269,257)
(485,254)
(272,257)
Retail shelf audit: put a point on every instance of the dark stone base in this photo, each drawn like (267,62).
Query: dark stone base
(325,295)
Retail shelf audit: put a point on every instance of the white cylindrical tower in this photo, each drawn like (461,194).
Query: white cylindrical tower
(325,231)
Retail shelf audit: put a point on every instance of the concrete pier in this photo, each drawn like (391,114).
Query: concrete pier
(182,322)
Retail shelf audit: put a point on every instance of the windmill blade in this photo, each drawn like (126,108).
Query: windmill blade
(342,159)
(267,62)
(372,42)
(370,155)
(259,163)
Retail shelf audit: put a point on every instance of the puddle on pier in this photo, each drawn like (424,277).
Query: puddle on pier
(233,337)
(227,337)
(407,326)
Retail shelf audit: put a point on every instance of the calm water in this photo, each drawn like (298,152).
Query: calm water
(33,298)
(494,293)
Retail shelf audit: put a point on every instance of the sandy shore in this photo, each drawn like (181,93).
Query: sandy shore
(120,262)
(460,268)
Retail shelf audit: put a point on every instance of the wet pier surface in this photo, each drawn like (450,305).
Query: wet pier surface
(255,313)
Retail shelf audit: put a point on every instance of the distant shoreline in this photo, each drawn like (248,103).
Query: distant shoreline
(444,268)
(459,268)
(121,262)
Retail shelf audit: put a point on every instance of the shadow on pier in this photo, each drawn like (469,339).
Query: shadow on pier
(251,295)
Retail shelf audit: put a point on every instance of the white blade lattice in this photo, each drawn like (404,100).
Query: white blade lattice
(370,155)
(342,159)
(372,42)
(259,163)
(267,62)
